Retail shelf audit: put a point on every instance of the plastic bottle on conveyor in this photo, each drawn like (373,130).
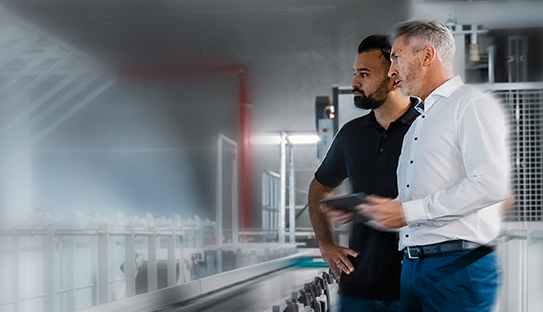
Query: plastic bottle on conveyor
(319,295)
(333,289)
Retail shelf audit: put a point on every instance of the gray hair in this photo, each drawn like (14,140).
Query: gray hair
(427,32)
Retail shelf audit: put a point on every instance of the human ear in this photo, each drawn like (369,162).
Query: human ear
(429,54)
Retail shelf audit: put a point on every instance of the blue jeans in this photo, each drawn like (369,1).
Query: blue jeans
(349,304)
(458,281)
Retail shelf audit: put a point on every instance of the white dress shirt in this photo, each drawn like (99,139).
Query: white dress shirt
(453,171)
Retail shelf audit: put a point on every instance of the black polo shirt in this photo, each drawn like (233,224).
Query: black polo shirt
(367,154)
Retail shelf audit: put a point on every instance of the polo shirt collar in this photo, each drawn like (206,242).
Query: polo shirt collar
(407,118)
(443,91)
(371,120)
(411,114)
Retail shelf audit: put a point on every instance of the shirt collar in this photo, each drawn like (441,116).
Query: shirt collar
(443,91)
(407,118)
(371,120)
(412,113)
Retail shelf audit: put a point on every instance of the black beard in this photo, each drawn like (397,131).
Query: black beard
(365,102)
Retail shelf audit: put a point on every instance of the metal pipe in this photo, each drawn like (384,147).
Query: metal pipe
(491,63)
(244,139)
(264,201)
(235,194)
(218,196)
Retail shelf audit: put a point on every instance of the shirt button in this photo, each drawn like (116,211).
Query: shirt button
(407,185)
(385,135)
(381,149)
(416,138)
(411,162)
(407,235)
(423,116)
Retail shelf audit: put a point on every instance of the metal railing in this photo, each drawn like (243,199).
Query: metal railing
(56,254)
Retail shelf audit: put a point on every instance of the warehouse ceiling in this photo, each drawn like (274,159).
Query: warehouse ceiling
(59,10)
(126,32)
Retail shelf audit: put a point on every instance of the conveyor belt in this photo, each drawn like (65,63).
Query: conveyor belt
(258,294)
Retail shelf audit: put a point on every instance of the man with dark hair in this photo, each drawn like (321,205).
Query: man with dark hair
(452,178)
(366,151)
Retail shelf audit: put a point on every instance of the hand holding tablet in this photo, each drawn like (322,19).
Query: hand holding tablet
(346,203)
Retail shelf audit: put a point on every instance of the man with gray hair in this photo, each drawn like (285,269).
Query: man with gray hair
(452,177)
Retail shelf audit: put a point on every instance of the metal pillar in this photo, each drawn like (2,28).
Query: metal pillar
(292,196)
(48,276)
(129,263)
(491,63)
(283,198)
(103,278)
(235,204)
(171,269)
(151,261)
(15,273)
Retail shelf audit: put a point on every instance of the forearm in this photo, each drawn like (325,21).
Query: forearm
(454,203)
(321,224)
(335,255)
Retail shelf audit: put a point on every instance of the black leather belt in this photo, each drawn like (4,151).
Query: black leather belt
(416,252)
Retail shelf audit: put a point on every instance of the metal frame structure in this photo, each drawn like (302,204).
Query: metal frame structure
(221,141)
(31,59)
(274,195)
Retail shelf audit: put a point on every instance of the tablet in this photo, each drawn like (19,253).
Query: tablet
(348,202)
(345,202)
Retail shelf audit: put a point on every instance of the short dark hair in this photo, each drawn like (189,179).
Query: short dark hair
(376,42)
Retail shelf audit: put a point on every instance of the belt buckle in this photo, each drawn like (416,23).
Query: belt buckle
(409,252)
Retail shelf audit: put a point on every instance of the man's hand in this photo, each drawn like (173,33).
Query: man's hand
(337,215)
(387,212)
(336,257)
